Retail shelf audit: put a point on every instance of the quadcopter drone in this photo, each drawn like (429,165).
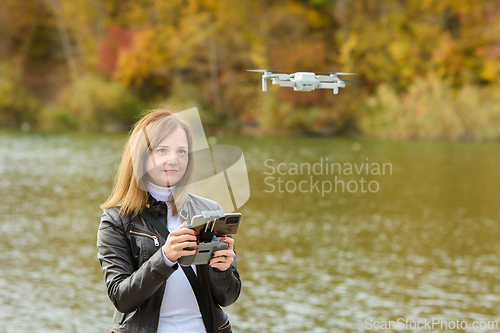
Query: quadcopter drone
(304,81)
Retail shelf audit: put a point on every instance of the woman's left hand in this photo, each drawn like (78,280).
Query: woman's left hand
(223,259)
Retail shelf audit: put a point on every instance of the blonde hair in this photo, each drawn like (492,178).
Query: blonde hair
(146,134)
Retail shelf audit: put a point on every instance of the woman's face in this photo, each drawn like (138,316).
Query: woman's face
(168,161)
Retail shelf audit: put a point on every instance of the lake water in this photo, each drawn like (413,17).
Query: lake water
(419,242)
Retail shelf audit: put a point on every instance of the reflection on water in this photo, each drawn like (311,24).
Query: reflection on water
(51,186)
(423,246)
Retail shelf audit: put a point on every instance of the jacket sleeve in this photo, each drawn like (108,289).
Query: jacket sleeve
(225,285)
(128,287)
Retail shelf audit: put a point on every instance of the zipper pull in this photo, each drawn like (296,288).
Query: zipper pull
(157,243)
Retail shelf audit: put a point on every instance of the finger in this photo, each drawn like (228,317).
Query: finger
(219,266)
(184,245)
(229,241)
(187,252)
(182,231)
(174,250)
(184,238)
(223,266)
(223,259)
(217,261)
(224,253)
(182,252)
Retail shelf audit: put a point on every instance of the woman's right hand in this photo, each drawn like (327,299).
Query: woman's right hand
(177,240)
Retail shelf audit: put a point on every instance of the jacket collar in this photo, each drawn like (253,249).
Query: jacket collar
(159,208)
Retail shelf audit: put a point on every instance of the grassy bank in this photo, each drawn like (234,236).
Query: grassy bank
(433,109)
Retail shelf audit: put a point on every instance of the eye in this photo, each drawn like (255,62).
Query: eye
(182,151)
(161,150)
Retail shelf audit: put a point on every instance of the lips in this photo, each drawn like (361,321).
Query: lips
(171,171)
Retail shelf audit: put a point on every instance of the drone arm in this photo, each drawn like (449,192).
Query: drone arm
(328,85)
(329,78)
(285,83)
(332,85)
(281,77)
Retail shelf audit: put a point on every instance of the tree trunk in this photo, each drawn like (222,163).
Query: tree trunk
(56,7)
(214,72)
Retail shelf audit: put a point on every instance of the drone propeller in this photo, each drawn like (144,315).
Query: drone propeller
(337,73)
(265,70)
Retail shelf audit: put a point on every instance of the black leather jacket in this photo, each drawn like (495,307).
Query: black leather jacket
(129,250)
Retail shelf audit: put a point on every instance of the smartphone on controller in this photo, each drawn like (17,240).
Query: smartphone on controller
(221,226)
(210,227)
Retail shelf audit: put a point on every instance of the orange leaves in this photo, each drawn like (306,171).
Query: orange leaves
(137,62)
(300,57)
(117,39)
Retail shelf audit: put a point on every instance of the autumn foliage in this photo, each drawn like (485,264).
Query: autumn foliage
(429,69)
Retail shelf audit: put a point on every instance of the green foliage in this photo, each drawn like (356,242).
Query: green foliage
(431,109)
(186,96)
(93,103)
(17,105)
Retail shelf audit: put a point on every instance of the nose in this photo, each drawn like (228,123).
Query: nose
(171,161)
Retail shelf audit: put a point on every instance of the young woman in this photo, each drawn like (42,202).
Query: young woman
(149,290)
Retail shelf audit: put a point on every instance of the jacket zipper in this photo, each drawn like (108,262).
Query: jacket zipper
(157,242)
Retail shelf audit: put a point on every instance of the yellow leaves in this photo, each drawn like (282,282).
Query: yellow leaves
(137,14)
(464,6)
(346,49)
(135,64)
(193,32)
(444,55)
(490,70)
(315,19)
(257,55)
(398,50)
(445,48)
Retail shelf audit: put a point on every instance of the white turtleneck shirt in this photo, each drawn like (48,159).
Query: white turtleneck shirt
(179,310)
